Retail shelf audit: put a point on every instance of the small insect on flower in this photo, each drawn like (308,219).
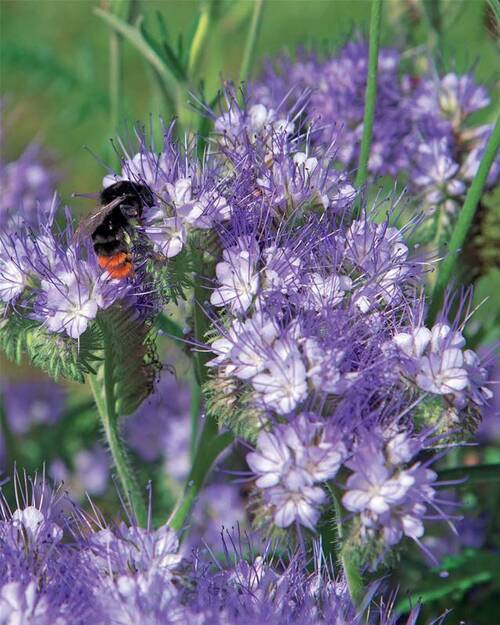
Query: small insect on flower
(110,225)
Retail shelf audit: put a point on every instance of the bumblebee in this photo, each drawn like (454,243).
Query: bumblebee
(110,225)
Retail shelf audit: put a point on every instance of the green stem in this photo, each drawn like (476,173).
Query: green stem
(347,561)
(432,12)
(209,448)
(115,79)
(103,391)
(169,326)
(11,450)
(210,442)
(250,46)
(196,401)
(201,321)
(370,93)
(464,222)
(133,35)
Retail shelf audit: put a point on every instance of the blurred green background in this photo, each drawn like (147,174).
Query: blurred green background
(55,62)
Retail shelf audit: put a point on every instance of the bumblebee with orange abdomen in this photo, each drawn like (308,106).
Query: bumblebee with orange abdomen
(110,226)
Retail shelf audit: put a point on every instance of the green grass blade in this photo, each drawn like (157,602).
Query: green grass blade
(137,39)
(199,38)
(479,473)
(209,448)
(370,93)
(251,42)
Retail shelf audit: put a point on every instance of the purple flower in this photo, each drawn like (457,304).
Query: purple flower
(421,132)
(479,138)
(126,574)
(31,403)
(436,173)
(336,101)
(452,97)
(72,294)
(188,195)
(439,365)
(282,384)
(388,489)
(28,188)
(23,604)
(244,347)
(238,277)
(14,268)
(289,461)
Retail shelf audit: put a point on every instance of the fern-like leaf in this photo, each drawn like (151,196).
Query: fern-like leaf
(57,354)
(129,364)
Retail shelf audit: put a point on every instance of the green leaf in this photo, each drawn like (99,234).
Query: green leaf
(134,36)
(129,363)
(169,326)
(455,577)
(123,380)
(472,474)
(57,354)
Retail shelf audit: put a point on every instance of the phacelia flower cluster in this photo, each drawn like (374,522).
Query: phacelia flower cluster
(314,295)
(60,565)
(314,305)
(291,461)
(422,128)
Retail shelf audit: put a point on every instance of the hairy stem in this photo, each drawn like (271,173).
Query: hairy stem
(350,567)
(250,45)
(102,386)
(370,93)
(210,443)
(464,222)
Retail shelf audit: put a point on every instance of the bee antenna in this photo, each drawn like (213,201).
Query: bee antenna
(89,196)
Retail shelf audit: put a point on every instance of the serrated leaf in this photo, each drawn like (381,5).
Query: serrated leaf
(57,354)
(173,278)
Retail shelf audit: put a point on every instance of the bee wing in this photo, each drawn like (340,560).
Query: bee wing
(88,225)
